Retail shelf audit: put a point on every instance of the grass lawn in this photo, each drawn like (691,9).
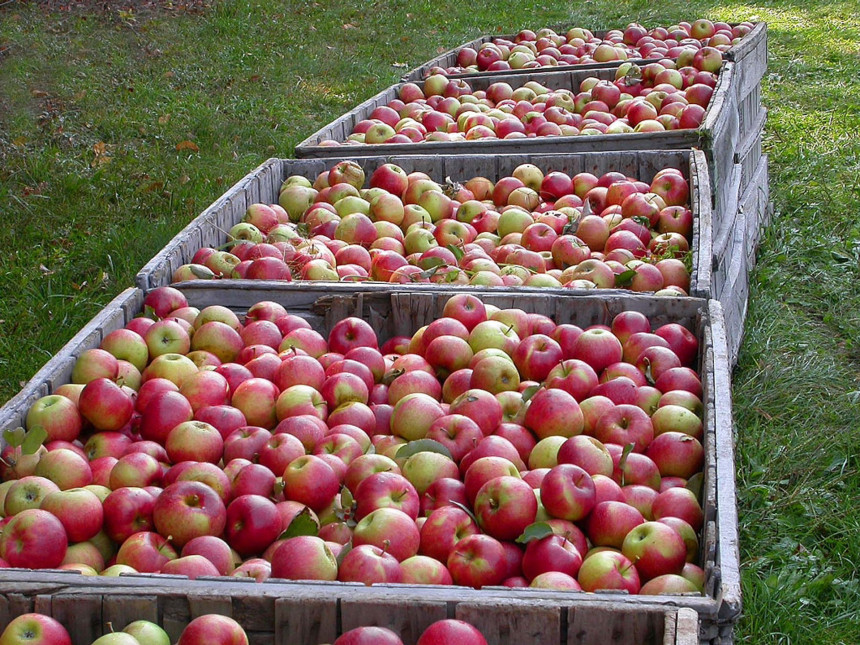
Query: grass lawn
(119,123)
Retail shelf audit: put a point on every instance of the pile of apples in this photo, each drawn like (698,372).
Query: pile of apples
(492,447)
(667,94)
(215,629)
(578,46)
(531,228)
(208,629)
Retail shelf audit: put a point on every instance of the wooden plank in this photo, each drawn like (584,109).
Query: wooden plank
(175,614)
(409,620)
(728,552)
(514,623)
(686,627)
(614,625)
(255,611)
(119,610)
(306,620)
(204,603)
(81,614)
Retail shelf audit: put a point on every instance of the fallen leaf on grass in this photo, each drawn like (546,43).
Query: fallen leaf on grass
(45,270)
(39,94)
(164,118)
(187,145)
(102,154)
(18,142)
(349,25)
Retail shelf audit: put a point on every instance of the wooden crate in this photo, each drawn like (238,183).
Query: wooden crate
(569,78)
(306,617)
(738,252)
(262,184)
(751,45)
(395,312)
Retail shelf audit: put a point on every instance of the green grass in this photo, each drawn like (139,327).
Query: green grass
(245,81)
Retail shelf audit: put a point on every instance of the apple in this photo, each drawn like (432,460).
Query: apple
(551,553)
(607,570)
(369,635)
(215,550)
(554,412)
(465,308)
(147,633)
(567,492)
(105,405)
(33,539)
(188,509)
(127,510)
(369,564)
(213,629)
(78,509)
(477,561)
(310,480)
(304,558)
(252,523)
(625,424)
(610,521)
(425,467)
(57,415)
(165,411)
(35,629)
(505,506)
(451,631)
(66,468)
(423,570)
(656,549)
(391,530)
(681,503)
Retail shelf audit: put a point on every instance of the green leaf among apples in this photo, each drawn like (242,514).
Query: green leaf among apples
(302,524)
(536,531)
(423,445)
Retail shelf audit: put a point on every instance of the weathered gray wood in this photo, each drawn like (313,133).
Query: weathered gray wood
(686,627)
(81,614)
(728,553)
(614,625)
(204,603)
(514,623)
(409,620)
(306,620)
(120,610)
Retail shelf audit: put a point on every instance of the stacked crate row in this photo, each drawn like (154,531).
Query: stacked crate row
(728,175)
(577,616)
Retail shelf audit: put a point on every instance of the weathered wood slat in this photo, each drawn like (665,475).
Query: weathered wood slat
(409,620)
(514,623)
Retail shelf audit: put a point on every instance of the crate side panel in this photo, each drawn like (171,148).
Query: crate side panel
(614,625)
(514,623)
(407,619)
(306,620)
(81,613)
(122,609)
